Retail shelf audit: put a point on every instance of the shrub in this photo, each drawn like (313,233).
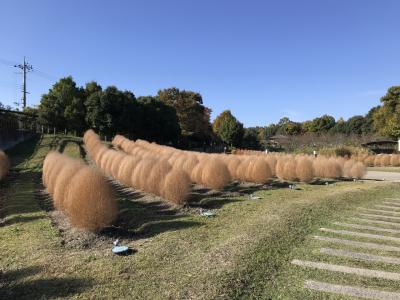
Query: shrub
(215,174)
(304,169)
(358,170)
(343,152)
(4,164)
(90,203)
(176,187)
(80,191)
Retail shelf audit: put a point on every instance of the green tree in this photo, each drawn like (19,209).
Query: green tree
(387,117)
(193,116)
(113,111)
(322,124)
(158,120)
(228,128)
(251,139)
(62,107)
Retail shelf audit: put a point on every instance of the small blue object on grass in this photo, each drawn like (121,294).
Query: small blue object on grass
(120,250)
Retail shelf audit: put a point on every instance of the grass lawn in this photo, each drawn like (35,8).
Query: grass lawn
(384,169)
(243,252)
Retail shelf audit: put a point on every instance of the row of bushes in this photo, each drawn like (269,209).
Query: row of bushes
(380,160)
(150,174)
(80,191)
(217,170)
(306,167)
(4,164)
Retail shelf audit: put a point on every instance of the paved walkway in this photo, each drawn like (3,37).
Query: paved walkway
(372,235)
(379,175)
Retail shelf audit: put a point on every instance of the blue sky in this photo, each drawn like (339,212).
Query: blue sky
(261,59)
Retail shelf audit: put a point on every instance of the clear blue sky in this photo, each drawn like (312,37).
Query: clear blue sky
(261,59)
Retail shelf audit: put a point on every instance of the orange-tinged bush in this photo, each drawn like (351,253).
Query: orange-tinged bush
(61,184)
(260,171)
(280,168)
(304,169)
(159,171)
(79,190)
(176,187)
(215,174)
(4,164)
(90,202)
(358,170)
(289,169)
(271,161)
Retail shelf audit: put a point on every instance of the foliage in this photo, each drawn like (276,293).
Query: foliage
(63,107)
(194,117)
(228,128)
(387,117)
(112,111)
(159,121)
(251,138)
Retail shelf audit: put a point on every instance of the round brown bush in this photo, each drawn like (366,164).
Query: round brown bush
(358,170)
(260,172)
(4,164)
(289,169)
(304,169)
(215,174)
(233,164)
(271,161)
(61,186)
(90,202)
(155,181)
(176,187)
(280,167)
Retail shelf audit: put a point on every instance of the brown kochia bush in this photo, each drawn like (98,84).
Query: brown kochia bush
(4,164)
(304,169)
(358,170)
(141,169)
(90,201)
(215,174)
(80,191)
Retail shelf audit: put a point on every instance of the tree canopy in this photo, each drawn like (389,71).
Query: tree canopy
(228,128)
(387,117)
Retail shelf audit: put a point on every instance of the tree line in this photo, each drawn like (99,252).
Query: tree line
(179,117)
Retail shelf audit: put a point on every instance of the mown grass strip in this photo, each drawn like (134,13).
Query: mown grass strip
(379,211)
(358,244)
(360,256)
(376,221)
(372,228)
(388,207)
(379,216)
(361,234)
(347,270)
(353,291)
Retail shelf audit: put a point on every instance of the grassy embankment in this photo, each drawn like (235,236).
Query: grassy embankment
(243,252)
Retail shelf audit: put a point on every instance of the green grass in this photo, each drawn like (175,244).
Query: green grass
(243,252)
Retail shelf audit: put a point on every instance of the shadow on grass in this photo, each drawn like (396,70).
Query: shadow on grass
(144,216)
(44,288)
(64,142)
(24,150)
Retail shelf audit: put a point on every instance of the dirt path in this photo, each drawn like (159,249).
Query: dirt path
(389,176)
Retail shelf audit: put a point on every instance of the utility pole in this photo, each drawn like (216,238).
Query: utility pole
(25,67)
